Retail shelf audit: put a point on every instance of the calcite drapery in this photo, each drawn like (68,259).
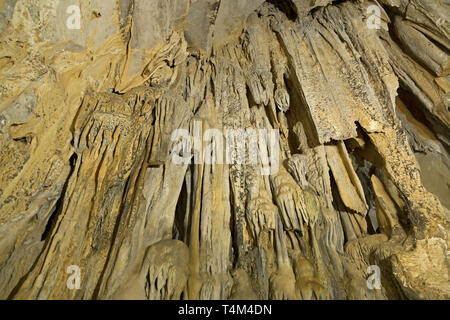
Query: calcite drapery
(86,149)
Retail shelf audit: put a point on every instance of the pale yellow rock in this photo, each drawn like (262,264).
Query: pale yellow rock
(93,204)
(348,183)
(386,210)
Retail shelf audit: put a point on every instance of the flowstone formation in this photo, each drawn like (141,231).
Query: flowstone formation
(343,193)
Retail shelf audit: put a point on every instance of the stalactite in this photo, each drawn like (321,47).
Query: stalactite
(224,149)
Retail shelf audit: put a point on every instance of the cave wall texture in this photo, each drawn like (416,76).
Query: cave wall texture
(92,92)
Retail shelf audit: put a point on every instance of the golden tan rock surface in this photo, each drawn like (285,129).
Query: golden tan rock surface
(98,97)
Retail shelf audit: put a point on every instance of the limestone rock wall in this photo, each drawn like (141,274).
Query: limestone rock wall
(93,94)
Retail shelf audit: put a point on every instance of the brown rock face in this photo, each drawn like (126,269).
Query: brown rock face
(224,149)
